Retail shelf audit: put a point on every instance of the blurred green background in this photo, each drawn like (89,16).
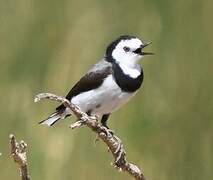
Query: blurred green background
(167,128)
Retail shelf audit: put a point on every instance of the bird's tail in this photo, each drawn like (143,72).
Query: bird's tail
(53,118)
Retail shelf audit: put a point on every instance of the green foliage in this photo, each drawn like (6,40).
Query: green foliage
(167,128)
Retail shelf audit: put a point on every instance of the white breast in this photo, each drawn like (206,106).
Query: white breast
(103,100)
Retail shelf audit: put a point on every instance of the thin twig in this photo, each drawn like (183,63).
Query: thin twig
(18,152)
(113,142)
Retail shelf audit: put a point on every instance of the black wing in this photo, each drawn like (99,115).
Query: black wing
(92,80)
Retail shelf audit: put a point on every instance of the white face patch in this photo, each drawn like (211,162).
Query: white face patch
(129,58)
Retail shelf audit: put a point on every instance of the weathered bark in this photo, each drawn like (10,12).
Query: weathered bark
(18,152)
(113,142)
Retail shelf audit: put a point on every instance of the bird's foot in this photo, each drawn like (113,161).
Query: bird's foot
(108,132)
(111,131)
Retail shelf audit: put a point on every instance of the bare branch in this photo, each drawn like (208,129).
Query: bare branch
(113,142)
(18,152)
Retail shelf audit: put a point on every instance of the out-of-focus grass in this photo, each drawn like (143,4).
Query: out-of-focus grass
(167,128)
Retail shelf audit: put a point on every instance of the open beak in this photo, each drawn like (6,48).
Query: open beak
(140,50)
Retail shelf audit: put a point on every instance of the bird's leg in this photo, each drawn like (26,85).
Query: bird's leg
(104,119)
(107,131)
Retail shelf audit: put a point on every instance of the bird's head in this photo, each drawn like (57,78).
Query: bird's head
(126,49)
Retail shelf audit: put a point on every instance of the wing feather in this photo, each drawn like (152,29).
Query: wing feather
(91,80)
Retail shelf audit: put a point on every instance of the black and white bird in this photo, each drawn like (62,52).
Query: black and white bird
(109,84)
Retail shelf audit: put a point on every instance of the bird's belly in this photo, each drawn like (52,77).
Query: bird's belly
(103,100)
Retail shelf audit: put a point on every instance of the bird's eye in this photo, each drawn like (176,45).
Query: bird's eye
(126,49)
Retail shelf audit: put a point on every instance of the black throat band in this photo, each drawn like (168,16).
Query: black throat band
(124,81)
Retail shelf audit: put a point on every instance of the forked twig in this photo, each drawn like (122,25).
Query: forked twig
(18,152)
(113,142)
